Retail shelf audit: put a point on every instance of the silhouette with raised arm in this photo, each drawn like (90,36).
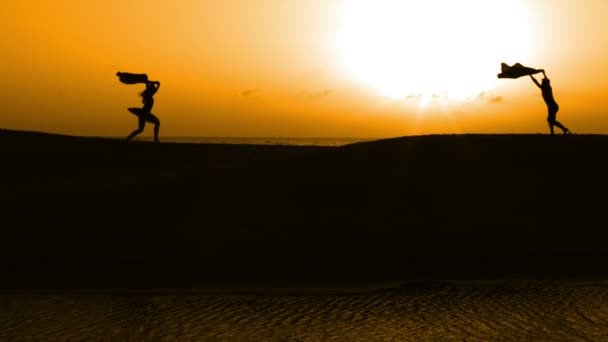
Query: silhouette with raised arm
(552,106)
(144,114)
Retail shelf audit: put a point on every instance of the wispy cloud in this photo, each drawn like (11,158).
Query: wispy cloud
(413,97)
(250,92)
(483,96)
(317,94)
(496,99)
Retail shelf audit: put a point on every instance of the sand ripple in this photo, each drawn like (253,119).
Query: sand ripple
(439,312)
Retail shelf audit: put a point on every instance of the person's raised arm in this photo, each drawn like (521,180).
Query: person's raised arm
(535,81)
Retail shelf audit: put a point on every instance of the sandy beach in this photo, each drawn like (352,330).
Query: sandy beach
(122,219)
(515,311)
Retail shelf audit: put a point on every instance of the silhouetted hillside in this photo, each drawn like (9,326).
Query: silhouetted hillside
(103,212)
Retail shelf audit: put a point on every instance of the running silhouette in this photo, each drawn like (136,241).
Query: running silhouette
(552,106)
(145,113)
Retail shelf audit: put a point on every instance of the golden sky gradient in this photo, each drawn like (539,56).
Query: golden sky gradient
(289,68)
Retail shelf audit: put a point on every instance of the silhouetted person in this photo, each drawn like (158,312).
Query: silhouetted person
(144,114)
(552,106)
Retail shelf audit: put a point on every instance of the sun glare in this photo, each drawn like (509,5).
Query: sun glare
(447,48)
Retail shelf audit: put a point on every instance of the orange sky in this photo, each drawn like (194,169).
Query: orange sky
(274,68)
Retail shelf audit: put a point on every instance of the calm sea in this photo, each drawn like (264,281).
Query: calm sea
(262,140)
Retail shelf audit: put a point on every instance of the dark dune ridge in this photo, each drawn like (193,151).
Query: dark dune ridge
(92,213)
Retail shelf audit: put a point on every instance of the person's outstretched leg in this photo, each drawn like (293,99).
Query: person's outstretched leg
(139,129)
(563,128)
(551,116)
(153,119)
(134,133)
(553,122)
(156,128)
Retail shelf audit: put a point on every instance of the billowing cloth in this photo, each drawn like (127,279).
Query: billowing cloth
(136,111)
(130,78)
(516,71)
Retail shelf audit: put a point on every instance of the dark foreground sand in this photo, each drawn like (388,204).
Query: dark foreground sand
(87,214)
(432,312)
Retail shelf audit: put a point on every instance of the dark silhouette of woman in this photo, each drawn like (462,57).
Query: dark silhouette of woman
(144,114)
(552,106)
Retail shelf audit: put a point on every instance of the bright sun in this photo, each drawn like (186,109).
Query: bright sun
(447,48)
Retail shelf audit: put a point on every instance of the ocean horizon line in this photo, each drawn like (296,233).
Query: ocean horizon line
(295,141)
